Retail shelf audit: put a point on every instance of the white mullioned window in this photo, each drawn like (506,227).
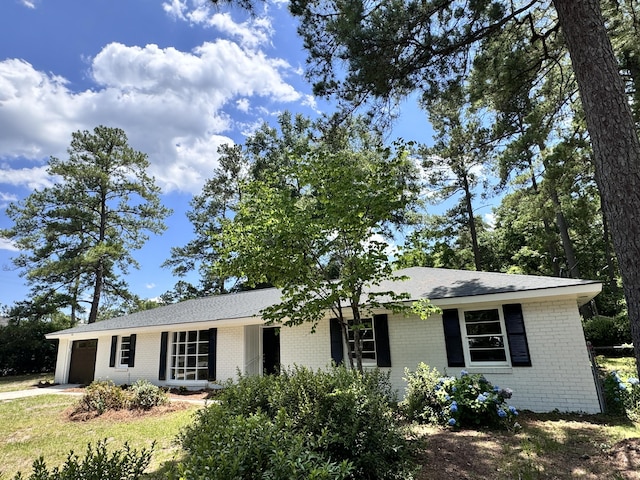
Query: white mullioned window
(367,337)
(125,351)
(189,357)
(485,339)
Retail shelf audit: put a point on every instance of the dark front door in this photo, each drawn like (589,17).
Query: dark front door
(83,361)
(270,350)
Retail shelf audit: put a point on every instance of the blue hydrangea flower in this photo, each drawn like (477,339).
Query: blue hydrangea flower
(454,388)
(463,373)
(496,388)
(453,408)
(513,410)
(633,381)
(502,413)
(481,398)
(622,386)
(452,421)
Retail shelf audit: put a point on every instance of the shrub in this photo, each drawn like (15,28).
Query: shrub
(607,331)
(622,396)
(222,446)
(340,416)
(422,402)
(103,395)
(145,395)
(468,401)
(98,464)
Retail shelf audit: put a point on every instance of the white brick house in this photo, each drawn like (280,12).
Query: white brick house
(520,331)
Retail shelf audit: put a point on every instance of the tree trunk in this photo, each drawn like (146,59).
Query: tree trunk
(614,139)
(573,271)
(472,223)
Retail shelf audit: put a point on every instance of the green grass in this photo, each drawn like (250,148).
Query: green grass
(36,426)
(626,366)
(23,382)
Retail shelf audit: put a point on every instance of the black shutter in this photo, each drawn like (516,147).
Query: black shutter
(516,335)
(381,329)
(453,338)
(114,351)
(132,349)
(162,371)
(213,345)
(337,350)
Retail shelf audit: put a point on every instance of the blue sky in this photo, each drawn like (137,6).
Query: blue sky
(178,77)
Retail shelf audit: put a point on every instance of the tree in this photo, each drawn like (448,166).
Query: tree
(76,236)
(210,209)
(316,225)
(385,50)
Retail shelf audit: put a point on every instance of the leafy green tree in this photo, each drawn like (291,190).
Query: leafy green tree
(385,50)
(316,226)
(76,237)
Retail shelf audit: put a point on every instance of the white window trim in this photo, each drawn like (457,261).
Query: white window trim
(465,338)
(120,344)
(367,362)
(171,368)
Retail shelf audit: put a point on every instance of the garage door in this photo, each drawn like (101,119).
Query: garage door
(83,361)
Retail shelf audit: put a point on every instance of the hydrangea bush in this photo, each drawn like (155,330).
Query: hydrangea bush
(622,395)
(467,401)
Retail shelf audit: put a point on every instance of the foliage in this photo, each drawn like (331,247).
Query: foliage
(98,464)
(145,395)
(607,331)
(421,401)
(24,348)
(622,395)
(315,220)
(343,417)
(76,236)
(255,446)
(103,395)
(468,401)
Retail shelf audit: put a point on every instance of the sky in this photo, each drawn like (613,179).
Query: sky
(179,77)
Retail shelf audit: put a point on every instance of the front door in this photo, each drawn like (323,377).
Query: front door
(83,361)
(271,350)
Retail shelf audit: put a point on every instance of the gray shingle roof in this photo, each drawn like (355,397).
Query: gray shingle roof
(431,283)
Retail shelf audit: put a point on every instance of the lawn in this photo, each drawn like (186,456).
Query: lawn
(39,425)
(550,446)
(23,382)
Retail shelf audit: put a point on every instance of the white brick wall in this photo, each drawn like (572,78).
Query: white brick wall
(560,376)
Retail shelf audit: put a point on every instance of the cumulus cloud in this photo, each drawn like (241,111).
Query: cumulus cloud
(170,103)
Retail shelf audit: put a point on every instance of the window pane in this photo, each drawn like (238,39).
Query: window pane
(497,355)
(482,316)
(483,328)
(192,336)
(191,348)
(486,342)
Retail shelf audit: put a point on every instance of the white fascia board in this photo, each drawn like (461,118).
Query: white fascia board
(582,294)
(173,327)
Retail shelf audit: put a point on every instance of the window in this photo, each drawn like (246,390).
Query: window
(125,351)
(189,355)
(367,337)
(485,340)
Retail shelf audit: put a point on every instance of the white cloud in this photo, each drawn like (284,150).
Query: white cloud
(8,245)
(28,4)
(150,286)
(170,103)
